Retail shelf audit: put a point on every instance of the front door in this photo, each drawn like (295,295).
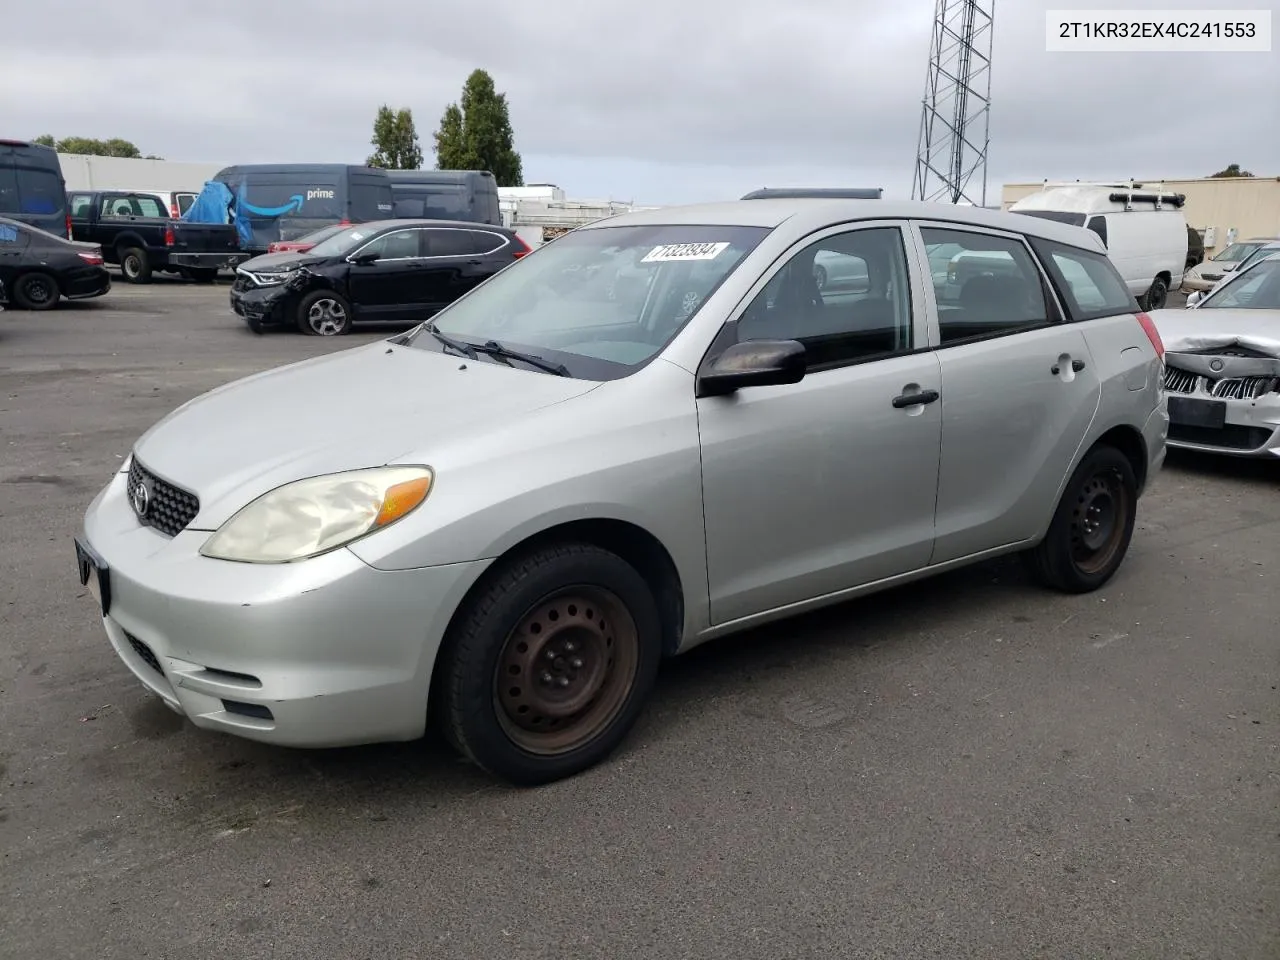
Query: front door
(1019,391)
(829,483)
(391,287)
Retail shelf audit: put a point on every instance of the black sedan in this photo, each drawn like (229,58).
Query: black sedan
(38,268)
(390,271)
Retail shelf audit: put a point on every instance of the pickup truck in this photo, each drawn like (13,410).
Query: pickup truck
(135,233)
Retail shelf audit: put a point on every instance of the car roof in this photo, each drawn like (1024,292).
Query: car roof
(809,214)
(419,222)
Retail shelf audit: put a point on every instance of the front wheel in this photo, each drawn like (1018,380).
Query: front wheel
(1092,527)
(36,291)
(324,314)
(548,667)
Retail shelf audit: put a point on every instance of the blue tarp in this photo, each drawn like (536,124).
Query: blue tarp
(216,204)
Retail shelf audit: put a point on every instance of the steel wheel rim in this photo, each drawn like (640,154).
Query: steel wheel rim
(1098,521)
(565,672)
(326,317)
(38,290)
(131,266)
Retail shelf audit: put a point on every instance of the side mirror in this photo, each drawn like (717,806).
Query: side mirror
(364,259)
(753,363)
(1195,297)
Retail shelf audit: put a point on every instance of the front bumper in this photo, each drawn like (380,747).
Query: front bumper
(263,304)
(1251,428)
(323,653)
(208,261)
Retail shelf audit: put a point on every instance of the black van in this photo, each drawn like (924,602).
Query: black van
(470,195)
(284,201)
(31,187)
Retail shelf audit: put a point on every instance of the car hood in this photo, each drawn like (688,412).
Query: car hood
(1186,331)
(1214,267)
(364,407)
(279,261)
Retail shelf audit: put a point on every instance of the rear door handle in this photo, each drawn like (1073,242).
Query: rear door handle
(1076,365)
(915,399)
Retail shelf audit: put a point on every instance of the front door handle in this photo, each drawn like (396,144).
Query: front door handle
(915,399)
(1076,365)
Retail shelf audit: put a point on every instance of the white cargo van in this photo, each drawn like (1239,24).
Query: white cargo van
(1144,230)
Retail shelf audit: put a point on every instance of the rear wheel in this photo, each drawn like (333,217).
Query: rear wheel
(1092,527)
(324,314)
(134,265)
(548,667)
(36,291)
(1157,295)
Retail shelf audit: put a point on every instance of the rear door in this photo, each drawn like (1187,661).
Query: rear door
(453,265)
(1019,391)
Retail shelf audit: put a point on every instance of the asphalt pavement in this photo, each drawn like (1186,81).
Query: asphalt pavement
(966,767)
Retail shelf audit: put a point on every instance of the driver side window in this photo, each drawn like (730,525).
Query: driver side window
(846,297)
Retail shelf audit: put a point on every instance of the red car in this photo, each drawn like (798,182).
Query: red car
(305,243)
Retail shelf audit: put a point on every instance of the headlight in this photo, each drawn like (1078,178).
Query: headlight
(310,517)
(272,279)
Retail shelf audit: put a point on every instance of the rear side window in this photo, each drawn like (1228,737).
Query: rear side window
(1087,282)
(80,204)
(9,235)
(483,242)
(185,200)
(150,207)
(991,286)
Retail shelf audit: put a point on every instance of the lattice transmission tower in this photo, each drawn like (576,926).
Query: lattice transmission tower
(951,160)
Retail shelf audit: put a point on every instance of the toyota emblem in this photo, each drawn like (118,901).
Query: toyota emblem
(140,498)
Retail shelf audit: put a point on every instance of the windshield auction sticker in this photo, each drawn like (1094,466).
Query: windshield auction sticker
(685,251)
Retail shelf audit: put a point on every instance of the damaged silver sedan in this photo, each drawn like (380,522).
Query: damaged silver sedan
(1222,367)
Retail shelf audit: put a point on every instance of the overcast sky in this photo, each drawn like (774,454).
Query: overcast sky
(666,101)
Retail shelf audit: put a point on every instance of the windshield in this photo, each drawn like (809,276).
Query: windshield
(1235,253)
(342,243)
(601,301)
(1257,288)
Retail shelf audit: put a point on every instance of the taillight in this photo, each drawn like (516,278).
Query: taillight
(273,247)
(1149,327)
(174,211)
(522,248)
(93,257)
(68,225)
(344,222)
(168,236)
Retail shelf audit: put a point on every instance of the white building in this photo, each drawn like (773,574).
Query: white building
(127,173)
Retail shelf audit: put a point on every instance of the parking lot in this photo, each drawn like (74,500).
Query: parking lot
(965,767)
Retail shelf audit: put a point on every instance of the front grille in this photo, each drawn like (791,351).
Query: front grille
(1179,381)
(167,508)
(1230,437)
(145,652)
(1243,388)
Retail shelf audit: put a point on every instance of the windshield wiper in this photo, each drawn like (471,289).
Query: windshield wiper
(493,348)
(465,349)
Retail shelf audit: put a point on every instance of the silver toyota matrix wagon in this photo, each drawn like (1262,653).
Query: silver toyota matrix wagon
(655,430)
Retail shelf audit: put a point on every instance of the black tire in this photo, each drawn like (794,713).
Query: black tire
(254,324)
(1156,296)
(1092,527)
(533,734)
(820,276)
(202,274)
(135,266)
(36,291)
(333,320)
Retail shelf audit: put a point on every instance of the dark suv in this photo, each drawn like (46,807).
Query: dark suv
(390,271)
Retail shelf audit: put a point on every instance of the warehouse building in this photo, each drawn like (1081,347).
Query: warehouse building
(1222,209)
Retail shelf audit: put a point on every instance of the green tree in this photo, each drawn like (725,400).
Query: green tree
(1232,170)
(115,147)
(395,140)
(475,134)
